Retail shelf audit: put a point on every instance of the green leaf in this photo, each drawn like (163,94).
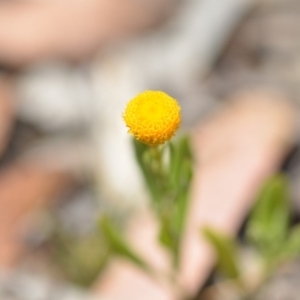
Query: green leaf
(291,248)
(268,224)
(175,202)
(168,179)
(80,259)
(120,246)
(166,236)
(183,182)
(149,177)
(226,251)
(180,152)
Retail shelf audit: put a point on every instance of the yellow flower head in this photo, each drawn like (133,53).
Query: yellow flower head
(152,117)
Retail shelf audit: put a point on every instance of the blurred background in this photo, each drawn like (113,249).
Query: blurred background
(67,70)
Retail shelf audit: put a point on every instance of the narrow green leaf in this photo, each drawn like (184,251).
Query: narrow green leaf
(226,251)
(291,248)
(120,246)
(166,236)
(179,152)
(80,259)
(149,177)
(268,224)
(176,199)
(179,218)
(182,195)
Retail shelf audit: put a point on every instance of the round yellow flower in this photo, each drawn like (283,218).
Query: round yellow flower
(152,117)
